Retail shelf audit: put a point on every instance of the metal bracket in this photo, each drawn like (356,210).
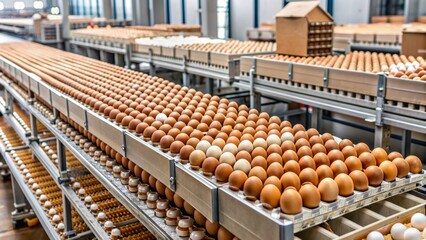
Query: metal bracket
(86,123)
(173,175)
(208,58)
(124,147)
(325,77)
(290,71)
(70,233)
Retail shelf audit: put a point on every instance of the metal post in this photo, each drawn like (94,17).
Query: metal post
(307,117)
(34,130)
(67,215)
(19,201)
(209,18)
(210,85)
(254,97)
(62,162)
(185,74)
(127,56)
(9,102)
(382,132)
(316,118)
(119,59)
(103,56)
(152,71)
(406,142)
(382,136)
(65,22)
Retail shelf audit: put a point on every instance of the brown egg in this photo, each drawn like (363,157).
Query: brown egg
(338,167)
(344,143)
(157,135)
(169,194)
(259,151)
(298,127)
(243,155)
(359,180)
(349,151)
(196,158)
(312,132)
(334,155)
(302,142)
(380,155)
(252,188)
(361,147)
(212,228)
(152,181)
(390,171)
(290,179)
(237,180)
(375,175)
(223,171)
(353,163)
(191,142)
(199,218)
(331,145)
(270,196)
(292,166)
(304,151)
(275,169)
(288,145)
(403,167)
(179,202)
(176,146)
(321,159)
(308,175)
(189,209)
(300,134)
(290,155)
(160,187)
(393,155)
(224,234)
(307,162)
(274,181)
(326,136)
(324,171)
(415,163)
(291,201)
(259,161)
(329,190)
(274,157)
(310,194)
(138,171)
(367,159)
(258,172)
(145,176)
(315,139)
(317,148)
(345,184)
(185,152)
(274,148)
(209,166)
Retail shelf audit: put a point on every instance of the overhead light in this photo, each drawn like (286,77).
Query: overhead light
(38,4)
(1,6)
(19,5)
(54,10)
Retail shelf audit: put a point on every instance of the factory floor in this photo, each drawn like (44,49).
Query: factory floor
(6,207)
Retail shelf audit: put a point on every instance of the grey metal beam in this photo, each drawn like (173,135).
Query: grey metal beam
(209,18)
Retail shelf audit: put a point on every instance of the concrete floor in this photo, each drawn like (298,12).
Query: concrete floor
(6,207)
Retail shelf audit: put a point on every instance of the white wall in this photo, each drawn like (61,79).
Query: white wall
(351,11)
(241,17)
(191,12)
(268,9)
(176,11)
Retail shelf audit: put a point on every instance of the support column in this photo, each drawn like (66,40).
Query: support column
(316,118)
(382,136)
(19,201)
(210,85)
(141,12)
(209,18)
(107,9)
(157,11)
(406,143)
(411,10)
(67,215)
(65,23)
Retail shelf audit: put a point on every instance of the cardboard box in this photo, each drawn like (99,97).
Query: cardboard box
(396,19)
(379,19)
(298,23)
(414,42)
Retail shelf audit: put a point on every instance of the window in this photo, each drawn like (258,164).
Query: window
(223,18)
(19,5)
(38,4)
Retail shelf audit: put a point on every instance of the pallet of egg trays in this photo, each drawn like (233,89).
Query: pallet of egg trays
(161,200)
(219,54)
(45,190)
(219,119)
(166,46)
(113,36)
(356,72)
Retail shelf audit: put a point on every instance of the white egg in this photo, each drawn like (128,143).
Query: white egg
(161,117)
(230,147)
(392,66)
(412,234)
(397,231)
(418,221)
(407,64)
(385,68)
(273,139)
(203,145)
(394,70)
(287,136)
(415,64)
(214,151)
(260,142)
(374,235)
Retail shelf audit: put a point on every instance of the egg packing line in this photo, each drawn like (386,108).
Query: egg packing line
(65,110)
(333,90)
(70,198)
(21,188)
(209,64)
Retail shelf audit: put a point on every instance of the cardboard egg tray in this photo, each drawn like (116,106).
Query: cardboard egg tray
(396,89)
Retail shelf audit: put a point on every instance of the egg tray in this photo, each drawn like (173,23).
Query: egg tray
(276,224)
(356,82)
